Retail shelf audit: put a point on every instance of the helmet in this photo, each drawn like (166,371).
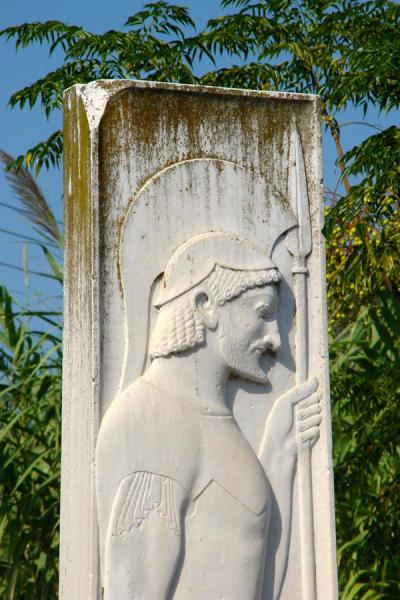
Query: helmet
(215,252)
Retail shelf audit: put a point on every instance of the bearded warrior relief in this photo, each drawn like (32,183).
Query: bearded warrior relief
(192,396)
(186,506)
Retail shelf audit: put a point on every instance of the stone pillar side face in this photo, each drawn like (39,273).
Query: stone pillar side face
(78,551)
(149,168)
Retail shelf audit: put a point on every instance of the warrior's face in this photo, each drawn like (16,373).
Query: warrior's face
(247,328)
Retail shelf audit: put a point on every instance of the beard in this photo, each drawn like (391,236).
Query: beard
(241,356)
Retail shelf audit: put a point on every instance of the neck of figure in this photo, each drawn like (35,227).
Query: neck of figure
(197,377)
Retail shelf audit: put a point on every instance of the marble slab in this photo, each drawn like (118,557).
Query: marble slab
(196,449)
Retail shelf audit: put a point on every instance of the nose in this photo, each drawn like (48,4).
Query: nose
(273,342)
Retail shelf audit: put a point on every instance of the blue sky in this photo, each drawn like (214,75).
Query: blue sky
(20,130)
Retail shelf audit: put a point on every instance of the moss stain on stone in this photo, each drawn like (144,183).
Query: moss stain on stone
(166,126)
(77,208)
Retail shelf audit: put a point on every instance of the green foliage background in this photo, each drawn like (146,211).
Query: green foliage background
(347,51)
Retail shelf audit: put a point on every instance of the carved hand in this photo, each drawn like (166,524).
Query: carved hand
(308,418)
(293,424)
(296,414)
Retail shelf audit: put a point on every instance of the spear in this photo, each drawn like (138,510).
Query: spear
(299,245)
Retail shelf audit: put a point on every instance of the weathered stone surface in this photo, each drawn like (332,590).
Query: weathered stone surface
(196,424)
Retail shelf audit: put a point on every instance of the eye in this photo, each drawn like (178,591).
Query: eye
(264,311)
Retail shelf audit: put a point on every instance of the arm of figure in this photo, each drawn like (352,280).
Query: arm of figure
(278,454)
(144,542)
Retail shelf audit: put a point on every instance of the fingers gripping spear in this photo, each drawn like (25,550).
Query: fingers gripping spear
(299,245)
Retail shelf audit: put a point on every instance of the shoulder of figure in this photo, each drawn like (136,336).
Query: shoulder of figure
(139,401)
(144,430)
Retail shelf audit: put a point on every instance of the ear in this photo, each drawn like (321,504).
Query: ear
(207,310)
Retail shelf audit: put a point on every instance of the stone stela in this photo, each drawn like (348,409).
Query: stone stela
(196,419)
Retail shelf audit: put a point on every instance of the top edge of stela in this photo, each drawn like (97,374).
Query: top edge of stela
(111,86)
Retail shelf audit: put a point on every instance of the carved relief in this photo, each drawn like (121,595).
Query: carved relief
(187,508)
(196,365)
(139,495)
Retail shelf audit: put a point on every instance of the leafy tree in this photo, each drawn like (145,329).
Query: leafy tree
(30,413)
(366,387)
(30,381)
(348,52)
